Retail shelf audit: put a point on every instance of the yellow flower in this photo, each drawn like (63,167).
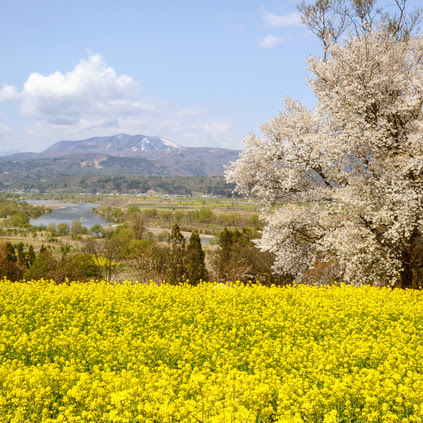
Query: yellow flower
(102,352)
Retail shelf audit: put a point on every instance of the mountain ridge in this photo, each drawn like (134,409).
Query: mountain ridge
(138,154)
(121,145)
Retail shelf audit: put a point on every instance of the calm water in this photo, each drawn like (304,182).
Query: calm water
(67,212)
(205,240)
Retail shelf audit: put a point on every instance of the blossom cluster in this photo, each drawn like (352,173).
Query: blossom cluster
(354,162)
(103,352)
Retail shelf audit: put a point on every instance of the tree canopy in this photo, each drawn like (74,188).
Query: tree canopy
(342,185)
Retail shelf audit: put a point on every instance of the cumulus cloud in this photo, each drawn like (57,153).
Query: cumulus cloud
(280,21)
(92,99)
(270,41)
(91,94)
(8,92)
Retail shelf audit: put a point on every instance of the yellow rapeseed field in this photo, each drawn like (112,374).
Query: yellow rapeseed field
(102,352)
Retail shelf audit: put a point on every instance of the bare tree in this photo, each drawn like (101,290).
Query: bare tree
(329,20)
(103,255)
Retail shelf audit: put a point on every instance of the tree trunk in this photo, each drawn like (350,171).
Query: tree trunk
(407,268)
(406,277)
(411,262)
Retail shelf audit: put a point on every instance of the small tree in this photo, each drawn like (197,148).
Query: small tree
(222,258)
(176,241)
(76,227)
(137,222)
(63,228)
(10,253)
(9,266)
(149,260)
(44,266)
(103,256)
(52,229)
(21,256)
(30,255)
(195,265)
(97,230)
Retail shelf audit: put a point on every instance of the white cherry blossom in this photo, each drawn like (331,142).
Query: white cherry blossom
(342,185)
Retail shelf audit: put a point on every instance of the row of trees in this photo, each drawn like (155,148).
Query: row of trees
(76,228)
(174,261)
(23,262)
(126,253)
(204,217)
(129,184)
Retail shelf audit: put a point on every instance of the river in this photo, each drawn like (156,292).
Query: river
(67,212)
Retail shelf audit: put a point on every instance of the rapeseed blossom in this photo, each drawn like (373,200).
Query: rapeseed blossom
(103,352)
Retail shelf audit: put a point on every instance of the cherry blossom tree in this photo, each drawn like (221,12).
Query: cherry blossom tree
(342,185)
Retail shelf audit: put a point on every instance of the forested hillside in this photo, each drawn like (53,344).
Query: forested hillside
(92,184)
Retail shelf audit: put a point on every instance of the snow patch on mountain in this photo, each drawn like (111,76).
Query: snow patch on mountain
(117,145)
(170,143)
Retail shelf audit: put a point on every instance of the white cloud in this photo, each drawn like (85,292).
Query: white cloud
(280,21)
(8,92)
(91,94)
(270,41)
(93,100)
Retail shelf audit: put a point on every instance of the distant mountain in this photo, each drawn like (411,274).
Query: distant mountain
(19,156)
(118,155)
(121,145)
(195,161)
(8,152)
(79,164)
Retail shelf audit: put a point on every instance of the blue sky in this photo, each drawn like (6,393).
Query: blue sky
(200,73)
